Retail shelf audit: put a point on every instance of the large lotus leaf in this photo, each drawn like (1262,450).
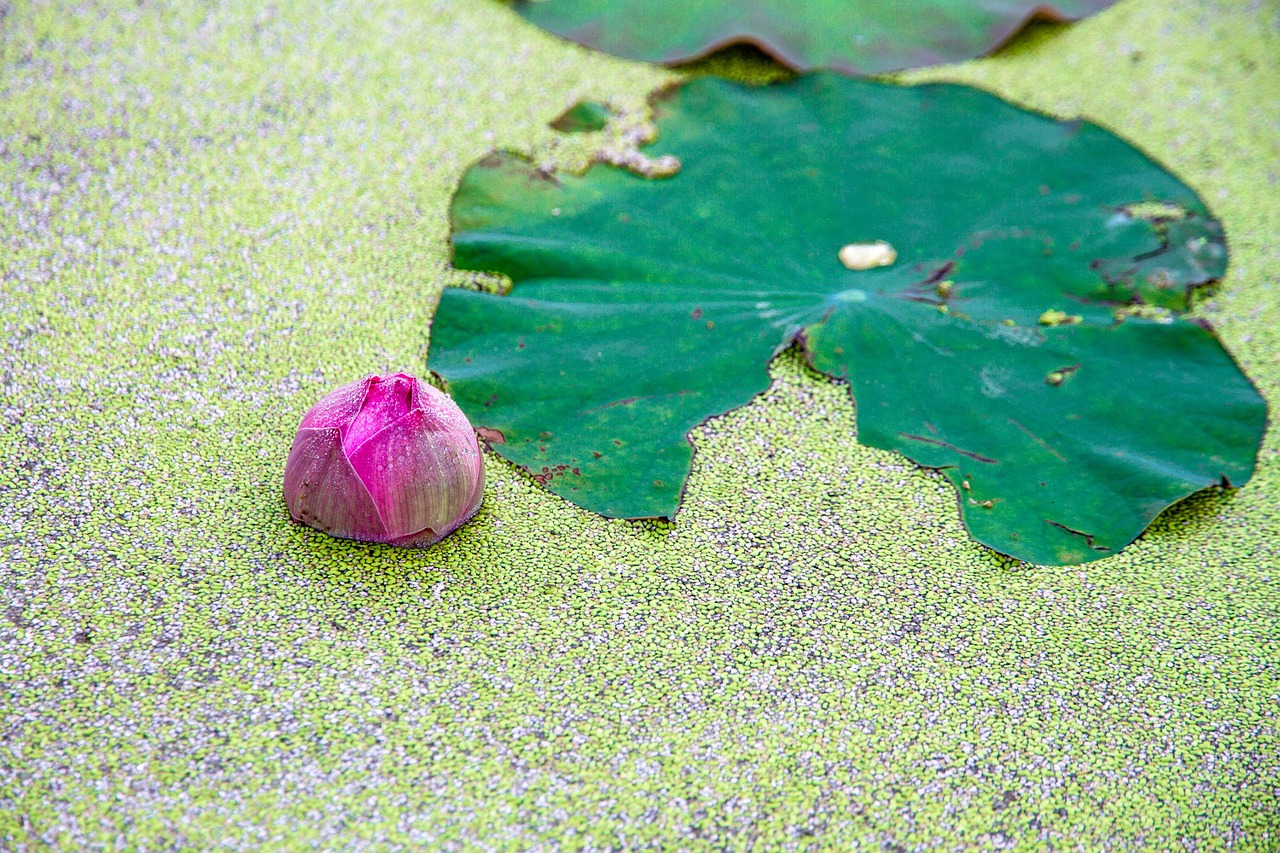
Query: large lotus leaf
(854,36)
(998,347)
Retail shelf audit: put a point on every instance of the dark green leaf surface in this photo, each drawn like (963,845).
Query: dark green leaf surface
(642,307)
(854,36)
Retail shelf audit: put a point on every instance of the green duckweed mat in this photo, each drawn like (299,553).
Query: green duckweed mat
(212,213)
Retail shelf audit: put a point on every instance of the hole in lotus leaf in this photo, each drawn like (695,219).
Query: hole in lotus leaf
(744,62)
(1154,210)
(583,117)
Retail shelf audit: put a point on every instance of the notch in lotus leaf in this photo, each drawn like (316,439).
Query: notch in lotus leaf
(982,277)
(852,36)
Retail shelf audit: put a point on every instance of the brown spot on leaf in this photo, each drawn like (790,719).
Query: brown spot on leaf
(492,436)
(934,441)
(1038,440)
(1088,537)
(545,175)
(625,401)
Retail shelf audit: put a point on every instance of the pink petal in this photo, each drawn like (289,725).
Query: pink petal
(385,400)
(445,416)
(424,473)
(323,490)
(338,407)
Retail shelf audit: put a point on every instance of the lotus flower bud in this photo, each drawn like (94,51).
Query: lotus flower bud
(386,459)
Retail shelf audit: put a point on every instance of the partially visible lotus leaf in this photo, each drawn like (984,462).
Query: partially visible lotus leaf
(1005,343)
(853,36)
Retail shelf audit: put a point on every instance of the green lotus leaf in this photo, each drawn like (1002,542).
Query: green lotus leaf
(1027,337)
(853,36)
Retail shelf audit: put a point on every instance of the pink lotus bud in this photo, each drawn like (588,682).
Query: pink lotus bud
(386,459)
